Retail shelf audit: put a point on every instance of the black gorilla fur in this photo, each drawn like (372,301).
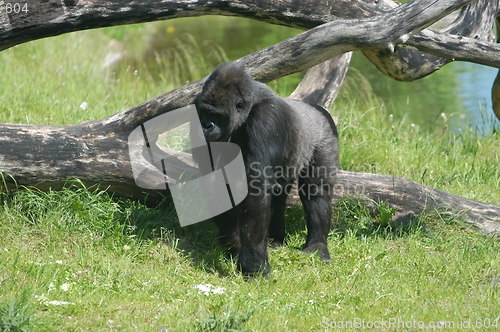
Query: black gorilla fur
(281,139)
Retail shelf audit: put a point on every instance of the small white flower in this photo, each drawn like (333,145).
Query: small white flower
(57,303)
(208,289)
(59,262)
(218,290)
(65,287)
(205,289)
(84,106)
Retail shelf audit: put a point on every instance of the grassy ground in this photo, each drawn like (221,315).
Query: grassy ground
(80,260)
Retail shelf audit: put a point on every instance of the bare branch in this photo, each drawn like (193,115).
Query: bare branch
(474,21)
(52,18)
(453,47)
(322,83)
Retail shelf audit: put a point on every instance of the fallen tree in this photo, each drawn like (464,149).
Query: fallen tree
(96,152)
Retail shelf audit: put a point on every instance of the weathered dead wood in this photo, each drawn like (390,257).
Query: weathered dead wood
(495,90)
(412,199)
(321,84)
(46,156)
(473,24)
(51,18)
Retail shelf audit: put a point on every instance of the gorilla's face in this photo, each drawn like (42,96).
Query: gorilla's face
(224,104)
(222,114)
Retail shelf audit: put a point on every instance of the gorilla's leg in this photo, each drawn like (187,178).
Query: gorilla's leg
(229,231)
(277,223)
(315,188)
(254,224)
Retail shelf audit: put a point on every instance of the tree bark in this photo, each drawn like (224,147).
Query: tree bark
(321,84)
(50,18)
(471,28)
(495,90)
(53,17)
(412,199)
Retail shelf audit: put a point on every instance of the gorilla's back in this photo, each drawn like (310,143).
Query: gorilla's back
(315,128)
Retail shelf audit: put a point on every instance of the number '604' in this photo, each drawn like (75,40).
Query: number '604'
(14,8)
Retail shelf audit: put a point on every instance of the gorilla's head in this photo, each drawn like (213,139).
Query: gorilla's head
(225,101)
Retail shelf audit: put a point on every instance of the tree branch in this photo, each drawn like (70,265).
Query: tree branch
(322,83)
(474,20)
(51,18)
(412,199)
(454,47)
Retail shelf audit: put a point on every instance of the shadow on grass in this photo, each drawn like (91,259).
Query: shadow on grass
(77,209)
(199,242)
(354,216)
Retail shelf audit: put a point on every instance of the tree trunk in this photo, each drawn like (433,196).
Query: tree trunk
(322,83)
(412,199)
(472,27)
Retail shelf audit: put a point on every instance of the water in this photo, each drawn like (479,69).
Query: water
(475,92)
(462,91)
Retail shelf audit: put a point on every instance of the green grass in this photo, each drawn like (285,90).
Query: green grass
(82,260)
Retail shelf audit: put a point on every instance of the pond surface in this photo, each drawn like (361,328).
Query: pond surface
(462,91)
(475,93)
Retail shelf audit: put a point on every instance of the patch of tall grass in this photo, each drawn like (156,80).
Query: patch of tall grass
(48,81)
(462,161)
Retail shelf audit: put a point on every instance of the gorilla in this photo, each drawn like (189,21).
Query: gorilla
(280,140)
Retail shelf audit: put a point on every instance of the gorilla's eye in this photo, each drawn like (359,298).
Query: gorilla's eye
(239,105)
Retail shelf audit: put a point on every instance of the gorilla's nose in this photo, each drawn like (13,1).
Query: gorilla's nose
(209,126)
